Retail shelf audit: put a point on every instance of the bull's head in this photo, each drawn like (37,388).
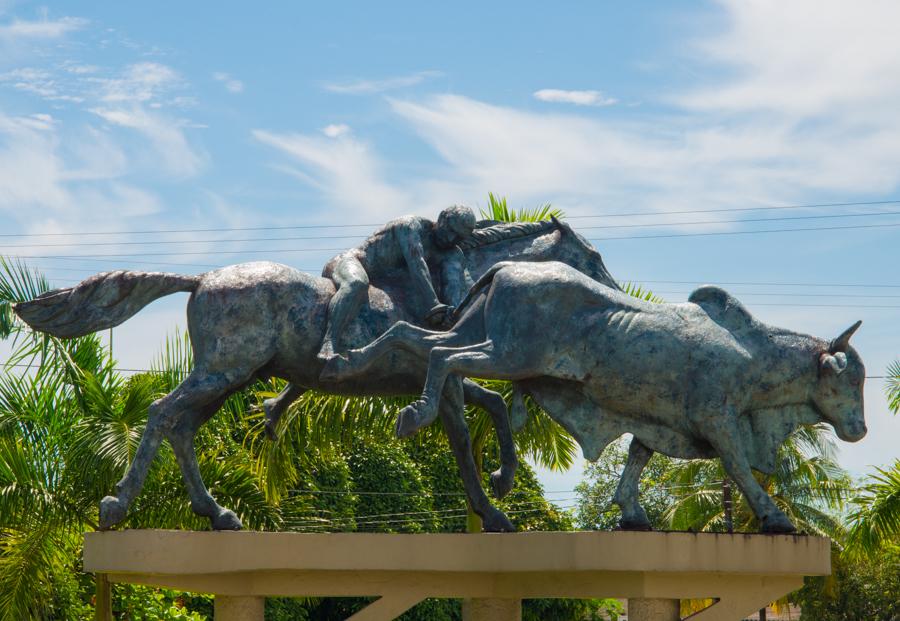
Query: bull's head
(839,390)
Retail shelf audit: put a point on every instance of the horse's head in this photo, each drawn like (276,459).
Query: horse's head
(551,240)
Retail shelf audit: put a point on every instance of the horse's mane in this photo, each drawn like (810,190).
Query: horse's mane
(490,232)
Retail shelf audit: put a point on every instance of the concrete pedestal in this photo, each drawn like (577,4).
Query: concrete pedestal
(496,571)
(644,609)
(240,608)
(491,610)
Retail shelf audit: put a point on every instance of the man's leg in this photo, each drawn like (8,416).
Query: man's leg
(352,285)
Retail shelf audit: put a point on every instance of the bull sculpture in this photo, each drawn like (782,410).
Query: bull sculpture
(696,380)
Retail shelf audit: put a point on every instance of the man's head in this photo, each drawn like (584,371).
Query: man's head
(454,224)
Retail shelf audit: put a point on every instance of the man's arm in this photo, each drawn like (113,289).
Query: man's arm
(411,245)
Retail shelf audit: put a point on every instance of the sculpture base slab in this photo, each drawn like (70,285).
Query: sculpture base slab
(741,572)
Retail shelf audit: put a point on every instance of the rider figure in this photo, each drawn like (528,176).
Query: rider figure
(406,242)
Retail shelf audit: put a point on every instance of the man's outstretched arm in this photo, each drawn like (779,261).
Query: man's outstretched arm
(414,254)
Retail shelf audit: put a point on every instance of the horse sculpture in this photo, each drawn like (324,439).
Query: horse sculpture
(258,320)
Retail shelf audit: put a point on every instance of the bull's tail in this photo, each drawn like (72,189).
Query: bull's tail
(479,285)
(99,302)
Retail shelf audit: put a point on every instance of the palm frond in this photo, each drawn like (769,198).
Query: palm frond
(876,519)
(637,291)
(892,386)
(499,210)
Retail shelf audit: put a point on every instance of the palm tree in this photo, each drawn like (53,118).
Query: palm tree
(69,426)
(875,521)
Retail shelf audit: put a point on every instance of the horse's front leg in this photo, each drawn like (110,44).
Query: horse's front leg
(443,361)
(503,479)
(402,335)
(452,412)
(274,408)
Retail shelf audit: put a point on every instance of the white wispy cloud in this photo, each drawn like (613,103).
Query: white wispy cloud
(41,177)
(368,87)
(41,29)
(232,85)
(579,98)
(335,130)
(175,154)
(347,170)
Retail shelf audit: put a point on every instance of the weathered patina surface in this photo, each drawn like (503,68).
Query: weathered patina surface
(258,320)
(695,380)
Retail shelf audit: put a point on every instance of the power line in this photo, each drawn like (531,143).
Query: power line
(718,233)
(291,250)
(376,224)
(307,238)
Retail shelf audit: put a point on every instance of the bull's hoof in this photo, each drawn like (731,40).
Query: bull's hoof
(336,368)
(635,524)
(496,522)
(112,511)
(777,524)
(502,482)
(412,418)
(226,519)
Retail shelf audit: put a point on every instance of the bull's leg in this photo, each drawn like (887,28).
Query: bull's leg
(196,391)
(723,435)
(627,493)
(474,360)
(181,437)
(501,480)
(401,335)
(452,414)
(275,407)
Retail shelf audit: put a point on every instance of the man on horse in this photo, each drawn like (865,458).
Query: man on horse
(408,242)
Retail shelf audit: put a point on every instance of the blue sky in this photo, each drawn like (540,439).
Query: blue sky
(165,115)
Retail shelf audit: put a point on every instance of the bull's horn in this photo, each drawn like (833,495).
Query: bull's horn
(842,342)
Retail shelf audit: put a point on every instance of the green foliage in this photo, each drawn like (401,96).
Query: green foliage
(875,520)
(808,485)
(500,211)
(138,603)
(637,291)
(595,509)
(892,386)
(865,587)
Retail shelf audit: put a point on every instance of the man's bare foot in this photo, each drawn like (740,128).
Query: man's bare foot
(335,369)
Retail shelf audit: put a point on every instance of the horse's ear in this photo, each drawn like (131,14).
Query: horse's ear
(557,223)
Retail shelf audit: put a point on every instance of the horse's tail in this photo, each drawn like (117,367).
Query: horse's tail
(99,302)
(480,284)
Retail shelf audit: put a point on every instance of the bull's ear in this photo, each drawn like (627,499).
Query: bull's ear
(833,363)
(842,342)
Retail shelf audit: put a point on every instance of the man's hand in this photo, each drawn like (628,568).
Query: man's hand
(438,316)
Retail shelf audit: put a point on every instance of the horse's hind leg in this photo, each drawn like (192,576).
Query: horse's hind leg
(633,515)
(502,480)
(181,437)
(276,406)
(198,390)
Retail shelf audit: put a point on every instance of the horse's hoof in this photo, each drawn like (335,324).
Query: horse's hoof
(501,483)
(271,433)
(112,511)
(777,524)
(635,524)
(411,419)
(226,519)
(497,522)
